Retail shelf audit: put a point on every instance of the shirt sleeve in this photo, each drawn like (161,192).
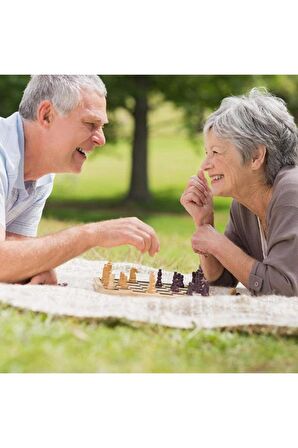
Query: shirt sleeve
(3,193)
(278,273)
(26,223)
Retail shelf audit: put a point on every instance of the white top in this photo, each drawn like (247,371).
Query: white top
(263,239)
(21,202)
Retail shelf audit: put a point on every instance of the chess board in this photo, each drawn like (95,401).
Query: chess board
(137,289)
(140,289)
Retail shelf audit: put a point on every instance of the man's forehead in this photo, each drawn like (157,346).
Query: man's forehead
(93,106)
(96,115)
(94,112)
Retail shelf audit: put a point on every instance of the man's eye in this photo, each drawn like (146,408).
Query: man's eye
(90,125)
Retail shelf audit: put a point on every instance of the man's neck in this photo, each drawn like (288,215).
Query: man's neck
(34,161)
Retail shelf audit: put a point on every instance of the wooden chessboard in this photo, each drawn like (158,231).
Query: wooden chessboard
(140,289)
(137,289)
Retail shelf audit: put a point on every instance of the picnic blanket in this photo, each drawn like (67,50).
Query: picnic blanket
(219,310)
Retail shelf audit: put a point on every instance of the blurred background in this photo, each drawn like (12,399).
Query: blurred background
(154,144)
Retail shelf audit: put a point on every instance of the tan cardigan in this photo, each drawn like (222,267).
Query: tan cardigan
(277,273)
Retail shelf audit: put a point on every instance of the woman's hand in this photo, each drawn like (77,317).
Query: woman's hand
(197,200)
(205,240)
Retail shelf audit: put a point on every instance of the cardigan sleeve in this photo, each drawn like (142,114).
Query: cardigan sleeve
(231,232)
(278,272)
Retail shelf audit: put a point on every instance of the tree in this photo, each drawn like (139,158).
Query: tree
(11,91)
(197,95)
(194,94)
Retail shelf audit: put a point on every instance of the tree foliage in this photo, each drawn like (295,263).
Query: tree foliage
(195,95)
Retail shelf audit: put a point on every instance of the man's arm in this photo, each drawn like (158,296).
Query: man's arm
(43,278)
(23,259)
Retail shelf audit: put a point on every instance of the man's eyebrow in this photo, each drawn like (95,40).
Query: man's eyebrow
(97,119)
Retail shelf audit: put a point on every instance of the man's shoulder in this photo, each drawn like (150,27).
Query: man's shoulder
(9,128)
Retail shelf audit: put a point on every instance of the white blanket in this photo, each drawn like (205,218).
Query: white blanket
(79,299)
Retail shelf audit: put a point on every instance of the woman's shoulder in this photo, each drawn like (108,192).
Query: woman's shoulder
(285,187)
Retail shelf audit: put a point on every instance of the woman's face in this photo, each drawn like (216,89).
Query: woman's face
(224,165)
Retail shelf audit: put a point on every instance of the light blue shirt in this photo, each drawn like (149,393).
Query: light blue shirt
(21,203)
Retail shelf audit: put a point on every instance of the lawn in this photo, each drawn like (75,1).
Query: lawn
(39,343)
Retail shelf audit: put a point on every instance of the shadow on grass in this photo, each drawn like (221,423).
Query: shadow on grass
(93,209)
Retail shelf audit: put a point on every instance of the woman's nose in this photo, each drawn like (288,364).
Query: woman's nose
(206,165)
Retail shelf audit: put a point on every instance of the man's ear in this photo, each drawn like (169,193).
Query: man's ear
(45,113)
(258,158)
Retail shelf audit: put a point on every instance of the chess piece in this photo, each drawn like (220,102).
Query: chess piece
(133,275)
(111,284)
(174,285)
(189,291)
(205,288)
(123,281)
(151,287)
(107,269)
(158,283)
(180,282)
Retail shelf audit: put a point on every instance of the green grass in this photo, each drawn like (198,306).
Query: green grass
(37,343)
(33,342)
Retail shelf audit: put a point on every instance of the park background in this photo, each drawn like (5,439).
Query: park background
(154,144)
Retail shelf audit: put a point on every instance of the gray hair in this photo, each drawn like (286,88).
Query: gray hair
(64,91)
(258,118)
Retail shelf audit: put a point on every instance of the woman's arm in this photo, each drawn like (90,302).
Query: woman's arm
(221,253)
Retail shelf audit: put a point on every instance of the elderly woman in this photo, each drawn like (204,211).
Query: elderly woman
(251,154)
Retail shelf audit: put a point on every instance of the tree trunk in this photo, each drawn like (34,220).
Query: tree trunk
(139,190)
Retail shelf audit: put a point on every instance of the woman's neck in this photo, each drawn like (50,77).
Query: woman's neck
(257,199)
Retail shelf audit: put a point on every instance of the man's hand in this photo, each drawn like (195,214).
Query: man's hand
(44,278)
(205,240)
(118,232)
(197,200)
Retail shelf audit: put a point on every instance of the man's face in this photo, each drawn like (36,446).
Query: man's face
(72,137)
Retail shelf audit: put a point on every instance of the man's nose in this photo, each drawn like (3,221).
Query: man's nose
(98,138)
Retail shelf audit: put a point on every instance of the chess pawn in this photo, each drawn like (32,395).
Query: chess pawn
(111,284)
(123,281)
(158,283)
(205,288)
(189,291)
(107,269)
(174,285)
(151,287)
(133,275)
(181,283)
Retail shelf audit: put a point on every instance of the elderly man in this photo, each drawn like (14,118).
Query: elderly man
(60,121)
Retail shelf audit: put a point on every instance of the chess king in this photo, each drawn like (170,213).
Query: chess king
(60,122)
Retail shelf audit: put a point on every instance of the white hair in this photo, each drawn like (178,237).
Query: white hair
(258,118)
(64,91)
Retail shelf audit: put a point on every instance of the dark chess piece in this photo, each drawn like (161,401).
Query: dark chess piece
(174,285)
(179,280)
(200,274)
(158,283)
(205,288)
(189,291)
(181,283)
